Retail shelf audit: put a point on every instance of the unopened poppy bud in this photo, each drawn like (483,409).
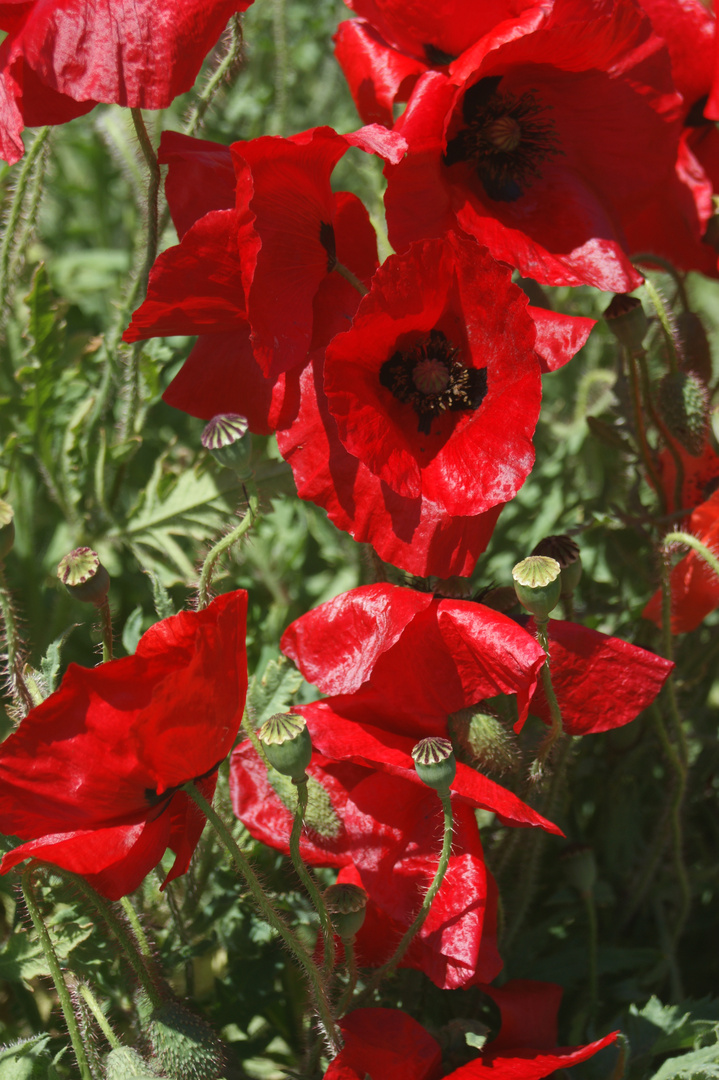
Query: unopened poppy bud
(482,740)
(184,1045)
(287,744)
(227,439)
(626,319)
(435,763)
(580,868)
(538,584)
(347,906)
(683,401)
(566,552)
(124,1063)
(696,352)
(84,576)
(7,529)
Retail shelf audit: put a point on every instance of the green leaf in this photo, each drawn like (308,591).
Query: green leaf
(161,597)
(45,327)
(23,958)
(273,693)
(50,663)
(28,1059)
(698,1065)
(132,630)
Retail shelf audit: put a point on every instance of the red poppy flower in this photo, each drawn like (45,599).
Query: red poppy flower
(525,1048)
(356,449)
(601,682)
(542,142)
(382,830)
(694,585)
(90,777)
(60,58)
(383,53)
(261,232)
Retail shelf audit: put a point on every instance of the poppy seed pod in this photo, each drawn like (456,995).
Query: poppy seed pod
(626,319)
(287,743)
(228,441)
(347,904)
(435,763)
(84,576)
(538,584)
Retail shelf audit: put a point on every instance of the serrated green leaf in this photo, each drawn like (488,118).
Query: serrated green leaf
(45,327)
(161,597)
(50,663)
(23,958)
(273,693)
(25,1060)
(698,1065)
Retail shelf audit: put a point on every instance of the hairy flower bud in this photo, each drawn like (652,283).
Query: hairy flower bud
(435,763)
(537,584)
(626,319)
(84,576)
(683,401)
(228,441)
(696,353)
(7,529)
(124,1063)
(287,743)
(183,1045)
(483,741)
(347,906)
(566,552)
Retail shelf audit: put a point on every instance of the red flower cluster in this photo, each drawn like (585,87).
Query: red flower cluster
(90,778)
(60,57)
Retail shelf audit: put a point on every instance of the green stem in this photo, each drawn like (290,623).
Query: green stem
(225,70)
(106,617)
(16,210)
(644,448)
(13,645)
(137,928)
(662,315)
(94,1007)
(221,547)
(423,912)
(55,971)
(680,871)
(153,190)
(692,542)
(347,274)
(557,729)
(670,691)
(351,959)
(28,223)
(128,945)
(657,260)
(662,427)
(273,917)
(307,879)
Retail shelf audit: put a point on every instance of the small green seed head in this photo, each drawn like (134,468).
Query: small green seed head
(435,763)
(84,576)
(287,744)
(347,906)
(566,552)
(626,319)
(227,439)
(7,529)
(538,584)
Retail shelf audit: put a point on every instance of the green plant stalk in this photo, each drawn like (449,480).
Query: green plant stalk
(663,317)
(675,815)
(13,644)
(662,427)
(670,691)
(272,916)
(129,946)
(227,67)
(423,912)
(94,1007)
(644,448)
(646,258)
(351,960)
(106,617)
(223,545)
(696,545)
(16,209)
(28,223)
(153,191)
(557,729)
(53,964)
(137,927)
(308,881)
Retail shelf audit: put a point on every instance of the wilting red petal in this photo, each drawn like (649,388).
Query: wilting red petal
(693,583)
(559,337)
(386,1044)
(601,682)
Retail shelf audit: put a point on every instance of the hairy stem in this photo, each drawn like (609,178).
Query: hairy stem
(94,1007)
(308,881)
(13,648)
(644,448)
(223,545)
(16,209)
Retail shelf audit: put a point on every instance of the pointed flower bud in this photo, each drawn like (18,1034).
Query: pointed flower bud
(566,552)
(483,741)
(626,319)
(184,1045)
(435,763)
(537,584)
(683,401)
(346,904)
(84,576)
(228,441)
(7,529)
(287,744)
(696,352)
(124,1063)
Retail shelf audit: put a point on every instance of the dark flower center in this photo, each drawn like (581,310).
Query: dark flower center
(430,379)
(506,138)
(327,239)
